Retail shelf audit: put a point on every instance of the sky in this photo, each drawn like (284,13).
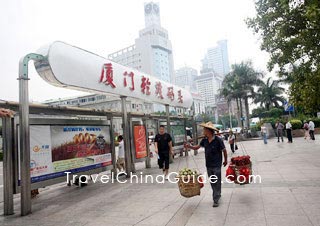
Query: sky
(105,26)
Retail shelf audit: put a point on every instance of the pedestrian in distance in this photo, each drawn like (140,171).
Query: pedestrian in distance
(306,129)
(311,130)
(163,147)
(264,134)
(120,161)
(289,131)
(279,127)
(232,141)
(214,149)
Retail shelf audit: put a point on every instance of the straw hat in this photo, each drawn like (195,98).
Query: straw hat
(209,125)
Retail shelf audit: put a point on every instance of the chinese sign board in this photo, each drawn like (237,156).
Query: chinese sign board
(75,68)
(59,149)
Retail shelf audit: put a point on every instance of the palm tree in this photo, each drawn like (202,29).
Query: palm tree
(269,94)
(249,78)
(239,85)
(230,91)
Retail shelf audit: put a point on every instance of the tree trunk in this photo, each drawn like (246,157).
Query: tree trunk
(241,113)
(238,113)
(246,103)
(267,106)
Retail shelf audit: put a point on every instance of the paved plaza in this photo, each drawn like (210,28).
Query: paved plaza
(288,195)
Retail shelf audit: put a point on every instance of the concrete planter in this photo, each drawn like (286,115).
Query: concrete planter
(300,132)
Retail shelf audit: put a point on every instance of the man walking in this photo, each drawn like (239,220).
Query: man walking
(279,127)
(311,130)
(289,130)
(214,147)
(163,147)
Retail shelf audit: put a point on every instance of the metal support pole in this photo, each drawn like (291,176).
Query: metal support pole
(186,136)
(194,128)
(25,132)
(168,119)
(168,128)
(113,150)
(148,160)
(229,102)
(7,131)
(125,128)
(131,139)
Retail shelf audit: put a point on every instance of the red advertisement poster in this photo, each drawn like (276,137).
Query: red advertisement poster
(140,142)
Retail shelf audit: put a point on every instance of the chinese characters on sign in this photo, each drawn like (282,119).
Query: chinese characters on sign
(92,73)
(131,75)
(159,90)
(145,85)
(107,78)
(170,93)
(180,97)
(107,73)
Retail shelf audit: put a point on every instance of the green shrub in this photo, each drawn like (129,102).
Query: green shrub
(255,128)
(276,112)
(316,122)
(273,121)
(296,123)
(270,120)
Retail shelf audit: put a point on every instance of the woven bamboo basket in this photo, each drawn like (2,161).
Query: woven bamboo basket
(188,186)
(237,172)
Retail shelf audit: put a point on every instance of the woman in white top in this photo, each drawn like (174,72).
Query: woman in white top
(231,140)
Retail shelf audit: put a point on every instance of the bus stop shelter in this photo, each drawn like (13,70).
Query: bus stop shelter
(36,131)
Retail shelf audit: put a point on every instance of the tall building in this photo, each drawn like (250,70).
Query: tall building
(185,77)
(199,103)
(217,59)
(152,51)
(208,85)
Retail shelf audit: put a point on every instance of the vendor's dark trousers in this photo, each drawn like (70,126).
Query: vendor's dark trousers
(280,134)
(289,135)
(215,183)
(311,132)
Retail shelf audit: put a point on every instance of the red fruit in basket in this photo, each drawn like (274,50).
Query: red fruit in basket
(245,171)
(200,180)
(230,173)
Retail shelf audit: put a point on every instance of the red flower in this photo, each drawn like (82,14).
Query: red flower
(230,173)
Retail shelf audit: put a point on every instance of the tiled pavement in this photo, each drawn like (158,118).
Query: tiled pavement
(288,195)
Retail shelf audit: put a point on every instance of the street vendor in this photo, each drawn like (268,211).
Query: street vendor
(214,147)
